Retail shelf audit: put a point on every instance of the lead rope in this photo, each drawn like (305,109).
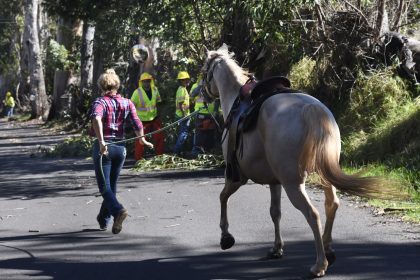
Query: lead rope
(137,137)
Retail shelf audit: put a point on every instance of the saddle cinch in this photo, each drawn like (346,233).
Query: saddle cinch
(244,115)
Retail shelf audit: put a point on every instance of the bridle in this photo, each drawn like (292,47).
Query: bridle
(208,77)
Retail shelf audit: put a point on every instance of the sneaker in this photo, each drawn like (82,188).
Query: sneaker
(118,220)
(102,223)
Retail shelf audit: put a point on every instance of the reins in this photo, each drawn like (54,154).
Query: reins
(208,94)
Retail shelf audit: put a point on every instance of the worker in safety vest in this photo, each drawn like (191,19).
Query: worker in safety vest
(9,103)
(145,98)
(182,105)
(205,126)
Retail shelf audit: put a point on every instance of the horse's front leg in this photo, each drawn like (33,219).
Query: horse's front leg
(227,240)
(275,212)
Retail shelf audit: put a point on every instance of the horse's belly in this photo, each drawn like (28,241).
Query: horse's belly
(259,173)
(254,164)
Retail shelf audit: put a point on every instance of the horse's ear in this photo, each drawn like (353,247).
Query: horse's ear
(224,48)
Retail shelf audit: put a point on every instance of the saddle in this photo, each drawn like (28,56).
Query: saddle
(243,117)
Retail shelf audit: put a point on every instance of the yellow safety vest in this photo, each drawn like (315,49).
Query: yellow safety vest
(183,97)
(146,108)
(10,102)
(193,87)
(199,104)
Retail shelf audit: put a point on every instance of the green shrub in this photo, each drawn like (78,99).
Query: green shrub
(78,146)
(303,75)
(383,125)
(164,161)
(375,98)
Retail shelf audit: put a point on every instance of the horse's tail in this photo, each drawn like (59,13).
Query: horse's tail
(321,153)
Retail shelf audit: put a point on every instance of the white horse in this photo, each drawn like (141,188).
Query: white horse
(295,134)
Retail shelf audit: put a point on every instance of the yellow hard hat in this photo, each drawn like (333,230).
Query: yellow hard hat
(8,93)
(146,76)
(183,75)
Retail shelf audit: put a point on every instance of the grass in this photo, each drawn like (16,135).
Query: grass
(408,210)
(23,117)
(406,182)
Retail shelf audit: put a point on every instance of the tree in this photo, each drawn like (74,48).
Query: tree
(60,53)
(11,23)
(39,101)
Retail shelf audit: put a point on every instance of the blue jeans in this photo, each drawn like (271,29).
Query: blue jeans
(182,135)
(111,166)
(9,111)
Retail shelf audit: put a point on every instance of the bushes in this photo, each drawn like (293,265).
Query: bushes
(381,120)
(303,75)
(79,146)
(376,98)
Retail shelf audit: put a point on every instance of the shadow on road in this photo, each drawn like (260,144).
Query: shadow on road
(354,261)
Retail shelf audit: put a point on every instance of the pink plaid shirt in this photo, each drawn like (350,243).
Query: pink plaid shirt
(115,110)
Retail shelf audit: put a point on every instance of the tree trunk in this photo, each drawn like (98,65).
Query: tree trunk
(66,31)
(23,87)
(86,65)
(398,13)
(86,70)
(98,69)
(43,32)
(39,101)
(382,25)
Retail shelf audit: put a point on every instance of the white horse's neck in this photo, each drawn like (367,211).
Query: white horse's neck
(228,84)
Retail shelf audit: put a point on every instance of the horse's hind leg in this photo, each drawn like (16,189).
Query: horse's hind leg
(275,212)
(299,198)
(331,206)
(227,240)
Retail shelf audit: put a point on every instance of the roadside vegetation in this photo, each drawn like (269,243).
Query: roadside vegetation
(163,162)
(380,131)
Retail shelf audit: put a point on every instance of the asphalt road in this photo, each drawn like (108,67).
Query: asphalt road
(48,228)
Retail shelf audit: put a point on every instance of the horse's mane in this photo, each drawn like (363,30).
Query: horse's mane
(241,73)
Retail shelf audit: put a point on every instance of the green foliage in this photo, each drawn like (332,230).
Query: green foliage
(78,146)
(163,162)
(377,96)
(11,26)
(383,125)
(303,76)
(57,56)
(395,141)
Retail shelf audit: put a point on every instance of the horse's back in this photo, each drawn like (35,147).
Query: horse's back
(284,113)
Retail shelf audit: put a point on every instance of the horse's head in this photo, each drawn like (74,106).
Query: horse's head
(213,58)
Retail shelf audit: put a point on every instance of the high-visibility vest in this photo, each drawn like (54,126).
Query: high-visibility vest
(183,97)
(146,108)
(193,87)
(199,104)
(10,102)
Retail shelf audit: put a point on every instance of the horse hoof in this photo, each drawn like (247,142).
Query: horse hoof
(227,241)
(330,257)
(275,254)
